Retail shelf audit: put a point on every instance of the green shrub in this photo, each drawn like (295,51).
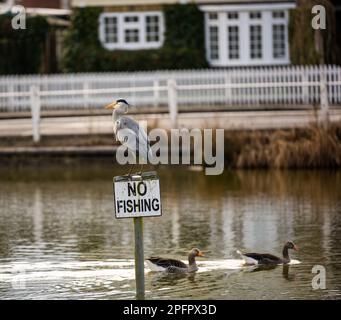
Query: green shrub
(82,49)
(22,50)
(183,46)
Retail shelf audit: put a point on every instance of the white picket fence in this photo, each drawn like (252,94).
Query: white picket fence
(290,86)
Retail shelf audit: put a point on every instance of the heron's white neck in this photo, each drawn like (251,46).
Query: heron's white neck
(116,114)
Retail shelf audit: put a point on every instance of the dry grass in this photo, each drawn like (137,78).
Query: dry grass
(312,147)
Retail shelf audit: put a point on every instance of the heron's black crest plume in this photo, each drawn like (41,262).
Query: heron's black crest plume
(123,101)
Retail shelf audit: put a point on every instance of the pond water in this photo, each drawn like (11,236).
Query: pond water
(59,238)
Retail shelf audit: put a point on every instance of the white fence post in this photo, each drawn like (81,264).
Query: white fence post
(10,88)
(35,112)
(324,97)
(172,102)
(305,87)
(86,94)
(156,92)
(228,90)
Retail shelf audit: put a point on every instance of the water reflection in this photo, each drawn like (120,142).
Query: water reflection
(286,274)
(61,222)
(259,268)
(161,280)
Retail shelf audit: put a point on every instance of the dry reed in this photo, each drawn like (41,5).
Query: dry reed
(312,147)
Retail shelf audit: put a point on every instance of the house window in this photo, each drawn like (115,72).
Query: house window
(256,42)
(233,42)
(213,16)
(278,41)
(214,43)
(232,15)
(248,36)
(278,14)
(110,25)
(131,35)
(152,28)
(255,15)
(131,31)
(131,19)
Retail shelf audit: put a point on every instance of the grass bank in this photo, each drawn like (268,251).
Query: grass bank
(308,148)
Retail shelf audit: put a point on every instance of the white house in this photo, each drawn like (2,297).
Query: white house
(237,32)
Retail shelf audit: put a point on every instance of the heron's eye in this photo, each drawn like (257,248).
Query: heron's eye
(125,139)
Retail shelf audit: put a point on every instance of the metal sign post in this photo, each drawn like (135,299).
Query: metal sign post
(138,196)
(139,258)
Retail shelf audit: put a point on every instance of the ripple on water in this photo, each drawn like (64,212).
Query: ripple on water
(59,238)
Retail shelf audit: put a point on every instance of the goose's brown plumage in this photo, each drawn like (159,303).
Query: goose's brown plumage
(166,263)
(265,258)
(173,265)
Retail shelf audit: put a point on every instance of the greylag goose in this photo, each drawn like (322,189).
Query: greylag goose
(265,258)
(175,266)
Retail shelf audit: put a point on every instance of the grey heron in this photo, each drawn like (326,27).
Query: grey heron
(129,133)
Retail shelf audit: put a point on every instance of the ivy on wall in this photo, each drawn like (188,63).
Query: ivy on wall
(184,45)
(21,50)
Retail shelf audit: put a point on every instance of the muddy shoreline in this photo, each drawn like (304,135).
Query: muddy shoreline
(308,148)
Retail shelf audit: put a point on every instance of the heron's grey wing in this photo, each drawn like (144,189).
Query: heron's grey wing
(133,125)
(142,141)
(128,138)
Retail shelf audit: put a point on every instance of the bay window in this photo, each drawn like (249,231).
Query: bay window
(246,36)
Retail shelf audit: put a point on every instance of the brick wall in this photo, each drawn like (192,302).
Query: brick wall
(40,3)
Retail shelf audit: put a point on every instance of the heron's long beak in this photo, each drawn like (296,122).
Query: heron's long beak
(200,254)
(112,105)
(296,248)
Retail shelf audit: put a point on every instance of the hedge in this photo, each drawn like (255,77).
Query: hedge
(22,50)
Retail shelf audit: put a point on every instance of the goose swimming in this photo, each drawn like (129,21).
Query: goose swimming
(266,258)
(173,265)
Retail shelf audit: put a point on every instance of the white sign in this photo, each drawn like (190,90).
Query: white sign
(137,198)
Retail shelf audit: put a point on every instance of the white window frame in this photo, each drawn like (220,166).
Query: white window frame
(228,42)
(281,21)
(257,24)
(141,25)
(244,22)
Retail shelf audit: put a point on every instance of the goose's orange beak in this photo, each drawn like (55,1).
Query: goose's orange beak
(296,248)
(111,106)
(200,254)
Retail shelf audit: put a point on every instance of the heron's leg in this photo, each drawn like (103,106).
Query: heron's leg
(131,169)
(141,169)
